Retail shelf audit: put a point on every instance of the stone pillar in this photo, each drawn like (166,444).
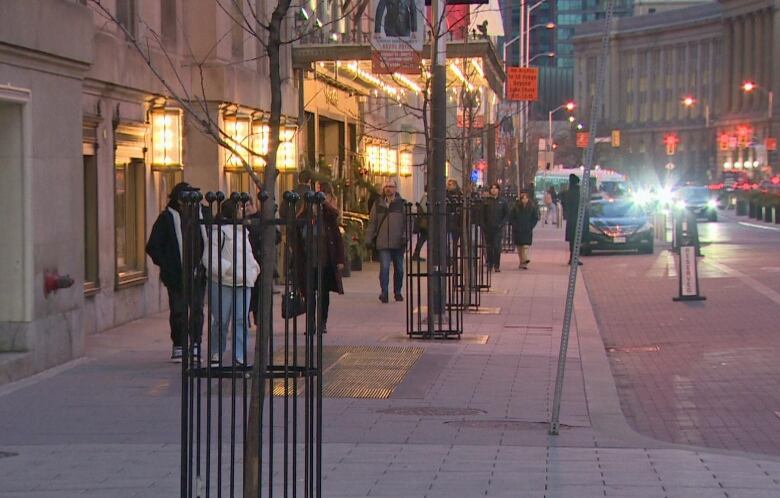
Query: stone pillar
(726,77)
(739,67)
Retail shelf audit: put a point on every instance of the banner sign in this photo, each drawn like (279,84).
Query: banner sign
(522,83)
(688,282)
(398,35)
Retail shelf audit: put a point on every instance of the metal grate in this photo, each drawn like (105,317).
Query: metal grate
(485,310)
(369,371)
(431,411)
(464,339)
(654,348)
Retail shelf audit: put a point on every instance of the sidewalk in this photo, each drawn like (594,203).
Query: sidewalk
(469,419)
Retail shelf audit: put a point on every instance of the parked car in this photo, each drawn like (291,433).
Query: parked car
(698,199)
(619,225)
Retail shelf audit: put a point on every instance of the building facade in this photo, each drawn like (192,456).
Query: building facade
(679,76)
(656,61)
(93,142)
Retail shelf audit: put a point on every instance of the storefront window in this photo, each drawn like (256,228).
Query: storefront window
(129,214)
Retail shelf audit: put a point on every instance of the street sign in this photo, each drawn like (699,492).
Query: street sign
(671,142)
(770,143)
(582,139)
(602,140)
(615,138)
(522,83)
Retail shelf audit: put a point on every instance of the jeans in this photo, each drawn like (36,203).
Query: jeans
(396,256)
(219,324)
(422,238)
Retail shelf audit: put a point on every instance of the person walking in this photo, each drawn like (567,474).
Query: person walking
(572,211)
(494,215)
(165,248)
(233,271)
(330,253)
(524,217)
(421,226)
(454,198)
(551,203)
(386,232)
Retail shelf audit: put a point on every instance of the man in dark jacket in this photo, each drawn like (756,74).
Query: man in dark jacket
(165,247)
(571,207)
(494,215)
(386,231)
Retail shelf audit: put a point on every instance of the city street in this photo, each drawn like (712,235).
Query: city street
(468,419)
(702,373)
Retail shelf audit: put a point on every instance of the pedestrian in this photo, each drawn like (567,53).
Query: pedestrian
(330,252)
(386,232)
(524,217)
(454,198)
(421,225)
(233,271)
(254,215)
(572,211)
(165,248)
(494,214)
(551,202)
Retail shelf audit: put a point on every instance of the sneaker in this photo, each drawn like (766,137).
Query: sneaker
(196,351)
(399,297)
(524,267)
(497,269)
(383,298)
(526,261)
(176,353)
(215,359)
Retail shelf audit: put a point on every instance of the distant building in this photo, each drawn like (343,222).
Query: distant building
(705,52)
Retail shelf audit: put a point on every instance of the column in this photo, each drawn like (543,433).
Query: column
(738,68)
(724,100)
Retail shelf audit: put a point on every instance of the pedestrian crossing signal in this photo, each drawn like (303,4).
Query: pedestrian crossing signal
(671,142)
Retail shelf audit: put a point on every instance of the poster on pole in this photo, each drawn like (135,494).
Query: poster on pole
(397,36)
(522,83)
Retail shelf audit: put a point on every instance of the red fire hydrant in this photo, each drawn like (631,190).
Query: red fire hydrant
(52,282)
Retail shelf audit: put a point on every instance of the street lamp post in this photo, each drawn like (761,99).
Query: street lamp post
(569,106)
(750,86)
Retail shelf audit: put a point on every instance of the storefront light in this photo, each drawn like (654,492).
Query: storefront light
(237,130)
(285,154)
(405,163)
(166,137)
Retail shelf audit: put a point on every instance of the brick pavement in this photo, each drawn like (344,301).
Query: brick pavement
(108,425)
(715,381)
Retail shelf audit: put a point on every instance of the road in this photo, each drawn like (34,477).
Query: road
(703,373)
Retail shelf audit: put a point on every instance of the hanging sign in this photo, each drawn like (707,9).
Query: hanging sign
(522,83)
(397,36)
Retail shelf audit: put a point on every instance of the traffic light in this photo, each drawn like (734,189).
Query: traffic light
(671,142)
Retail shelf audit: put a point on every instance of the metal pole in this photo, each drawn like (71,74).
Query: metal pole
(437,237)
(584,200)
(549,130)
(771,103)
(521,135)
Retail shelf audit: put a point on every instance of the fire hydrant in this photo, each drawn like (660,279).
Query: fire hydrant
(53,281)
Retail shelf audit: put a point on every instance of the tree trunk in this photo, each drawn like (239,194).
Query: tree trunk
(253,444)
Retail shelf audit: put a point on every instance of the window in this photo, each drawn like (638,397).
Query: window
(91,257)
(237,27)
(125,14)
(129,215)
(168,22)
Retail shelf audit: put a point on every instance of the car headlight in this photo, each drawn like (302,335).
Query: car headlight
(712,204)
(680,204)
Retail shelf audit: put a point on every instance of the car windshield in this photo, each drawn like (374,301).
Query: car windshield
(694,194)
(617,209)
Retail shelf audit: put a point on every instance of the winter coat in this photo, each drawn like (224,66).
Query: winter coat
(331,251)
(571,207)
(227,249)
(524,219)
(494,214)
(454,212)
(164,246)
(386,227)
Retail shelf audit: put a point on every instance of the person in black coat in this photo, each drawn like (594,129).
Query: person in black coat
(571,208)
(494,214)
(164,247)
(524,217)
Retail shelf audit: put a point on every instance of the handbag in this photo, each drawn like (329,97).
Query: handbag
(293,304)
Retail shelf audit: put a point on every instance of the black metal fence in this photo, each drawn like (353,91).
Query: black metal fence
(448,324)
(251,419)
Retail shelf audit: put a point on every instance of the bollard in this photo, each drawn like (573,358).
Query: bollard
(688,274)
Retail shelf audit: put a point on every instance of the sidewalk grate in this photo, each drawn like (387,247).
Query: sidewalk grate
(502,424)
(369,372)
(654,348)
(464,339)
(485,310)
(431,411)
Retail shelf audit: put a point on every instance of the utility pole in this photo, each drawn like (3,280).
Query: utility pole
(437,255)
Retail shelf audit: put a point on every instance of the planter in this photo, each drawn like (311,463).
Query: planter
(742,207)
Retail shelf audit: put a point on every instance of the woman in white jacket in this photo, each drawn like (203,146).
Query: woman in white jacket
(233,271)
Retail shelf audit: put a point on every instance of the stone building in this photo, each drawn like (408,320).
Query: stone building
(91,147)
(706,54)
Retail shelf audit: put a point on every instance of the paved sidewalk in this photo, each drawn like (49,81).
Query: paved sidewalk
(468,420)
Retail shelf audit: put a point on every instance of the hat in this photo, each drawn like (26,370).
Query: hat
(181,187)
(574,179)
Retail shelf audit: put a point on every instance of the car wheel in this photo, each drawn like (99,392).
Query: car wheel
(648,249)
